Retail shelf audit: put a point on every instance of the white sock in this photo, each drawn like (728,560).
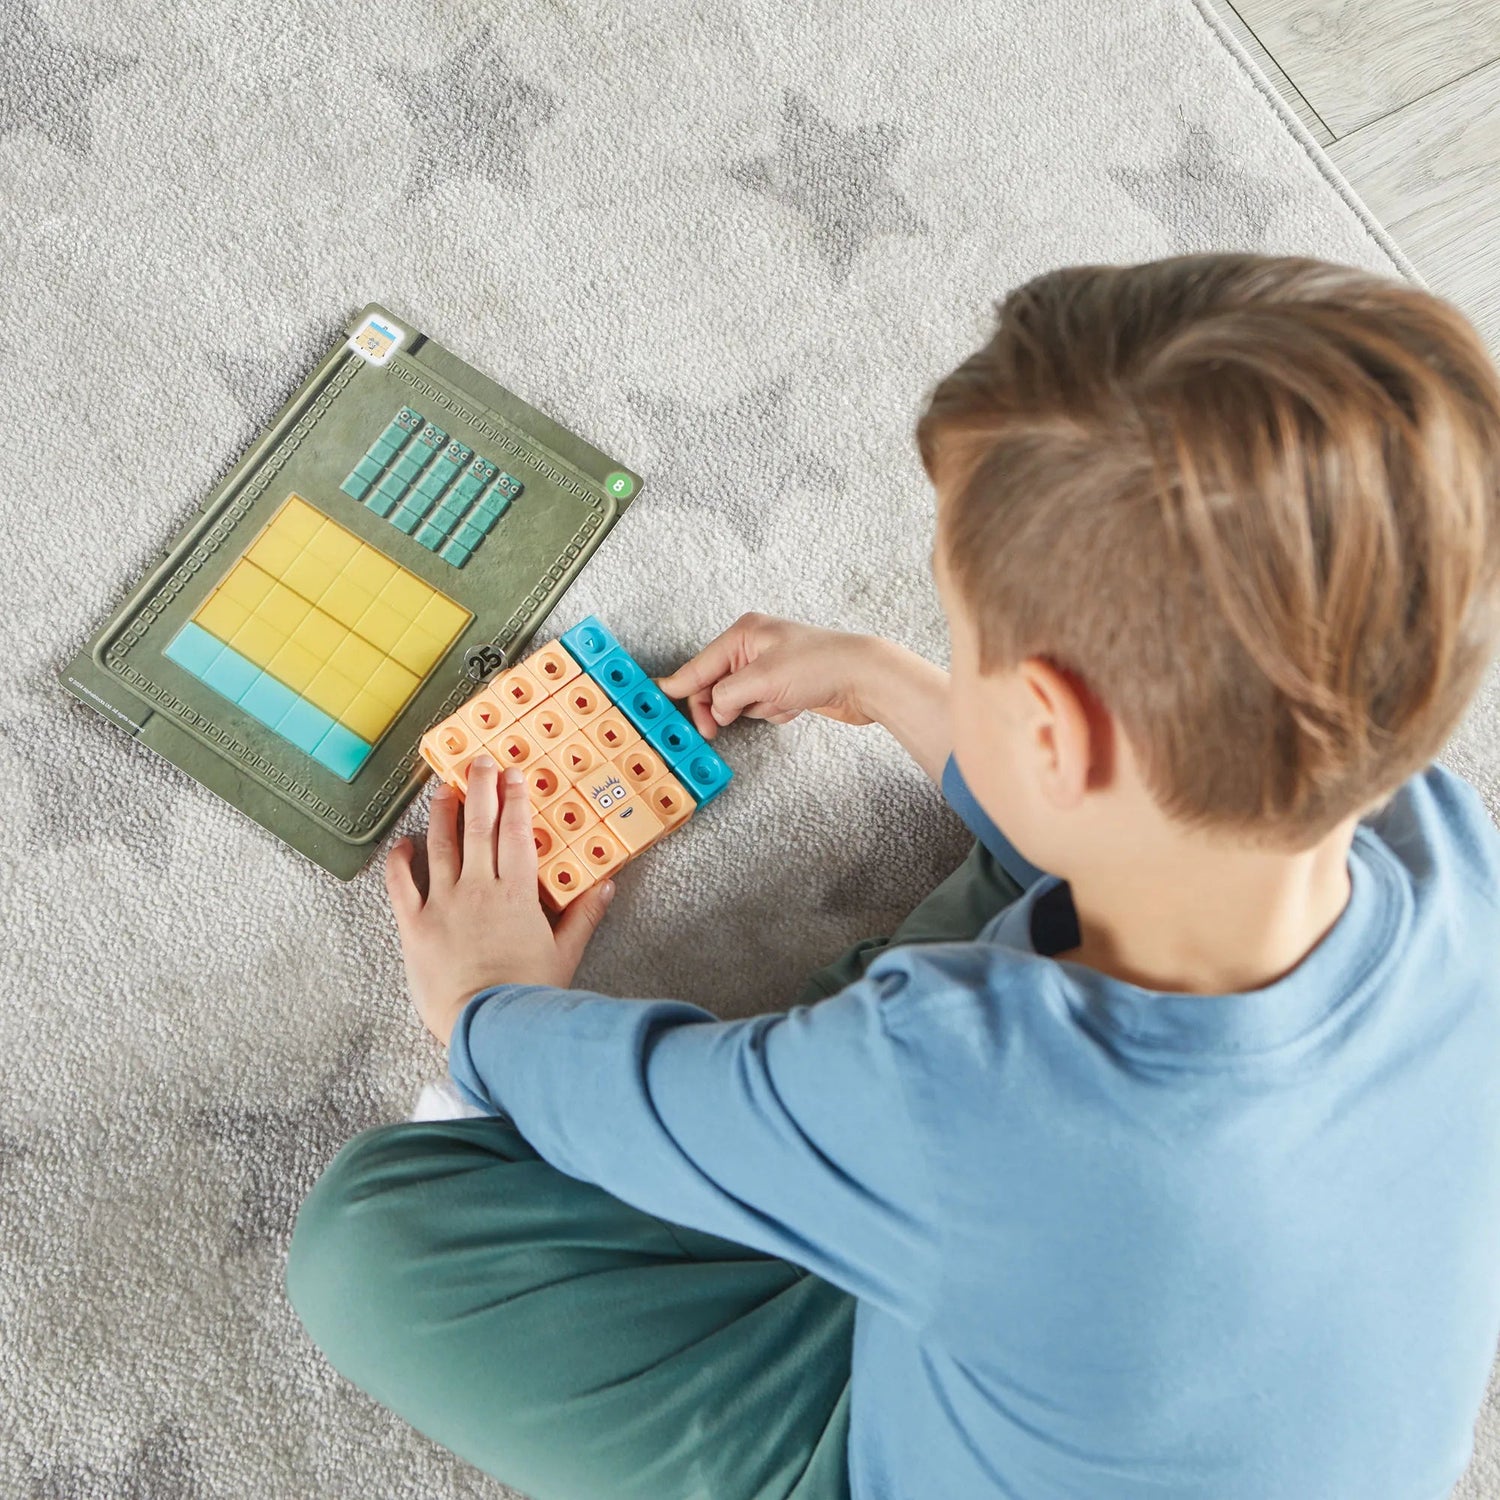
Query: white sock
(442,1101)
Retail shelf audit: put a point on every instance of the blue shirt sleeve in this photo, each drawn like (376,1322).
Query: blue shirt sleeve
(788,1133)
(958,796)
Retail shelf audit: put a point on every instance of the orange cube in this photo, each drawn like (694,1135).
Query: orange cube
(640,765)
(548,724)
(670,801)
(634,824)
(544,782)
(601,852)
(612,732)
(547,843)
(577,757)
(584,700)
(518,689)
(513,747)
(569,815)
(563,879)
(553,665)
(486,714)
(448,747)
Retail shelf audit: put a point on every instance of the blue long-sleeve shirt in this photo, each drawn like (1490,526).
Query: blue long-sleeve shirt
(1108,1244)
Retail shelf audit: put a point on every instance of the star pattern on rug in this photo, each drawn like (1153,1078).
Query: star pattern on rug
(1201,184)
(472,115)
(160,1466)
(261,383)
(47,84)
(279,1153)
(839,181)
(751,455)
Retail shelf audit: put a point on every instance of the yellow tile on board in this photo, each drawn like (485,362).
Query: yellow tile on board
(381,625)
(417,651)
(246,584)
(367,716)
(442,618)
(392,683)
(295,666)
(370,569)
(356,659)
(407,593)
(334,544)
(273,551)
(257,641)
(321,634)
(298,521)
(308,575)
(345,600)
(283,609)
(220,615)
(331,691)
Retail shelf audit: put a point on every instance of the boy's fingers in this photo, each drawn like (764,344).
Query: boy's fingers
(401,882)
(710,664)
(750,687)
(580,920)
(516,846)
(442,836)
(481,812)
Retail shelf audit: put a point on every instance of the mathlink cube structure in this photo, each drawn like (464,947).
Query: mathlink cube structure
(611,766)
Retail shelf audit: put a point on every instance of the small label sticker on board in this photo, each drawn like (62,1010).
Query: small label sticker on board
(377,338)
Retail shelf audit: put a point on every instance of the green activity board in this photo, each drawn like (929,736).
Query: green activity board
(397,534)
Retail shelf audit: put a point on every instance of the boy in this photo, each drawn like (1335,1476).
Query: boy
(1173,1172)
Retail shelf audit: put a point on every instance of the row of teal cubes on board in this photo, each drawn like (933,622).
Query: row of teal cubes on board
(689,757)
(410,478)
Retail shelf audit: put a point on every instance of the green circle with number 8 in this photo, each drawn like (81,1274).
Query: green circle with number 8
(621,486)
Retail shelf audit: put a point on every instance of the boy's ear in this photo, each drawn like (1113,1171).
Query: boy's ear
(1069,730)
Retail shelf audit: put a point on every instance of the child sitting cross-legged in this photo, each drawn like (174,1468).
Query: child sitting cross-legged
(1156,1155)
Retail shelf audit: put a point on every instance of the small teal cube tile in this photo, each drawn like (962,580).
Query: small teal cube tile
(231,674)
(267,700)
(509,485)
(673,737)
(406,519)
(484,516)
(704,773)
(431,537)
(456,553)
(444,467)
(448,512)
(588,640)
(470,535)
(193,649)
(395,433)
(408,466)
(393,485)
(468,487)
(645,704)
(341,751)
(431,486)
(409,419)
(384,449)
(368,468)
(432,437)
(304,724)
(355,487)
(617,672)
(381,503)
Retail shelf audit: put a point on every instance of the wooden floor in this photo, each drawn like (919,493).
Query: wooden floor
(1404,96)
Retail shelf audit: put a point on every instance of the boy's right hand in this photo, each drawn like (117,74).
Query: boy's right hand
(765,667)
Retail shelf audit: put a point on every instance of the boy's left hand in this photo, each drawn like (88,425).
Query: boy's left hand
(479,921)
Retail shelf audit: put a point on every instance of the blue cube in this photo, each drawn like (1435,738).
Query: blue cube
(645,704)
(617,672)
(672,737)
(193,649)
(704,773)
(588,641)
(342,751)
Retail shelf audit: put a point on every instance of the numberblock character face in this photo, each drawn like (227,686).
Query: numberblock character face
(607,793)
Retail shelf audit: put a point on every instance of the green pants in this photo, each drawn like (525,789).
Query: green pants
(569,1344)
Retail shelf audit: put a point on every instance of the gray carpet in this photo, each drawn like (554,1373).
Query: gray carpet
(733,243)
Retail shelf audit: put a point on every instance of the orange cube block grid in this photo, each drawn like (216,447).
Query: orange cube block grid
(599,793)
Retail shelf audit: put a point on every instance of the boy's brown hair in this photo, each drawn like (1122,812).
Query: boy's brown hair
(1252,503)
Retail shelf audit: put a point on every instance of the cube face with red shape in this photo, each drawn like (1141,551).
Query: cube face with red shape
(607,776)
